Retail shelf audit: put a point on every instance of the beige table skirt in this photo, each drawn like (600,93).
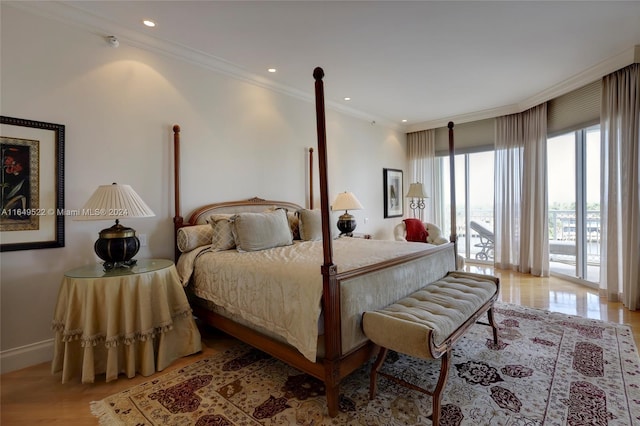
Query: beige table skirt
(136,323)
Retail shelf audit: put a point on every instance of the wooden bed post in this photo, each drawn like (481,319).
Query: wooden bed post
(310,178)
(331,293)
(177,218)
(452,177)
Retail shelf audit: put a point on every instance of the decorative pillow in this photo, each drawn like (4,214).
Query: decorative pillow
(310,224)
(292,217)
(222,232)
(191,237)
(294,225)
(259,231)
(416,230)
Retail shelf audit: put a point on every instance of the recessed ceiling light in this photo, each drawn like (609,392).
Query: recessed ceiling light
(272,70)
(149,23)
(347,98)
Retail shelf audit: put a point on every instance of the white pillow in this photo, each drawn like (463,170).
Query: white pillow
(259,231)
(310,224)
(222,232)
(191,237)
(292,217)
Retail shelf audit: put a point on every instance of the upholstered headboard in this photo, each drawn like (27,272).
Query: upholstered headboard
(255,204)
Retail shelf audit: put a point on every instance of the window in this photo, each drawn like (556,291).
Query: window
(474,203)
(574,204)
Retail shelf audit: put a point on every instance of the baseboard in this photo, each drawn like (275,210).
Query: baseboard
(26,356)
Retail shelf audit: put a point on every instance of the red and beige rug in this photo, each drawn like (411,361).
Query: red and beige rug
(550,369)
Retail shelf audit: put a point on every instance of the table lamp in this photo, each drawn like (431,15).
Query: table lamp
(118,244)
(346,201)
(417,195)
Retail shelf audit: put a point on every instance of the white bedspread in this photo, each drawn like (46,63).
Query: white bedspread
(280,289)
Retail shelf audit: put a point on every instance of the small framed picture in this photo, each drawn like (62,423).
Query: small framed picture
(392,181)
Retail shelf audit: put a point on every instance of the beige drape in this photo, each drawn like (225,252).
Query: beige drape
(421,150)
(620,226)
(521,225)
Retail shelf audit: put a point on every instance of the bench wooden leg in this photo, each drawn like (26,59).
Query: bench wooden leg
(373,385)
(436,395)
(492,323)
(437,392)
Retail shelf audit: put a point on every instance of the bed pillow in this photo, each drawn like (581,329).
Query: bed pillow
(416,230)
(294,225)
(222,232)
(310,224)
(259,231)
(191,237)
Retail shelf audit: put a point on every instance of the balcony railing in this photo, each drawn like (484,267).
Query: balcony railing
(562,234)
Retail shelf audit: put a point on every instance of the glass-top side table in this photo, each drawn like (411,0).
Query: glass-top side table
(97,271)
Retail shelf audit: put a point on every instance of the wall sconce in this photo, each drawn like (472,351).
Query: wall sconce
(417,195)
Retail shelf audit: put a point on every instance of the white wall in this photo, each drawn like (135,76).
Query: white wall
(118,106)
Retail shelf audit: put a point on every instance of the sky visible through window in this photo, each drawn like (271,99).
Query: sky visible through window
(561,166)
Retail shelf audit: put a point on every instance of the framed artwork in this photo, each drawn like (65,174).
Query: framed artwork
(392,180)
(32,184)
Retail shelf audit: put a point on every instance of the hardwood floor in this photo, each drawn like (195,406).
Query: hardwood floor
(35,396)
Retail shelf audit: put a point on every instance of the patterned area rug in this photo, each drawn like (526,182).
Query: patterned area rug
(550,369)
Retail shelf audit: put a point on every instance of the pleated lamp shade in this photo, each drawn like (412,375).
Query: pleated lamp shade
(346,201)
(116,245)
(112,202)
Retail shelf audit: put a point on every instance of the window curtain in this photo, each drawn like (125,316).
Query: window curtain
(620,180)
(421,147)
(521,225)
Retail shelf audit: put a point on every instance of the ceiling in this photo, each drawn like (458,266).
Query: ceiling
(421,61)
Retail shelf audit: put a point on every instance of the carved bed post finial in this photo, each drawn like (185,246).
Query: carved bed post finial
(318,73)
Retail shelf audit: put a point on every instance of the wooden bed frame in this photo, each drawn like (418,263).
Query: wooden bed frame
(335,365)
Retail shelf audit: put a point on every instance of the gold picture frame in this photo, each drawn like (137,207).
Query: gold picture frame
(32,184)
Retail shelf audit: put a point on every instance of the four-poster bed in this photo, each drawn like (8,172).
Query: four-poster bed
(346,286)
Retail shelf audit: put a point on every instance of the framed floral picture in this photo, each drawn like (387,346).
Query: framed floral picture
(392,181)
(32,184)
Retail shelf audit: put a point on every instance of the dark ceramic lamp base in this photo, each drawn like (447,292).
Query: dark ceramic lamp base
(117,246)
(346,224)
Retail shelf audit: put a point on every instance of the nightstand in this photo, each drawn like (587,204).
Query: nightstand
(126,320)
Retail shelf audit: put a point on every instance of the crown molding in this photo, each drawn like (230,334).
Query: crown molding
(614,63)
(102,27)
(463,118)
(581,79)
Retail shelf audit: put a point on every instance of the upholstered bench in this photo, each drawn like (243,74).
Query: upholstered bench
(428,322)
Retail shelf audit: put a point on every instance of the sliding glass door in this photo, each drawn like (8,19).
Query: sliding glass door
(574,204)
(474,204)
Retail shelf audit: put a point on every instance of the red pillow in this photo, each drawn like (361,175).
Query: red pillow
(416,230)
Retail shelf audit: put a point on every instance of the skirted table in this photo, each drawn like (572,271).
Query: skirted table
(126,320)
